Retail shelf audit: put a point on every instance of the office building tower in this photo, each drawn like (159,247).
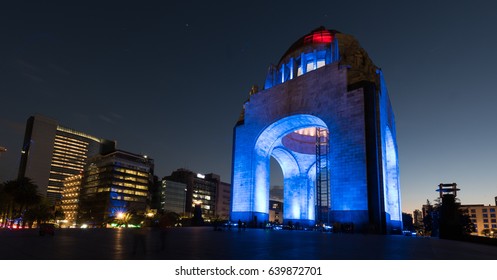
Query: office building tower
(51,153)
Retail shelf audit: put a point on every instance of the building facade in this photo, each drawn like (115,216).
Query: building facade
(201,189)
(483,217)
(275,211)
(223,201)
(325,116)
(115,183)
(173,197)
(51,153)
(70,199)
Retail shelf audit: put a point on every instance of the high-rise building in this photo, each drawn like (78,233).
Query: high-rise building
(51,153)
(418,219)
(115,183)
(275,211)
(70,199)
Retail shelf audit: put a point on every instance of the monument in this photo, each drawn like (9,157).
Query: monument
(325,116)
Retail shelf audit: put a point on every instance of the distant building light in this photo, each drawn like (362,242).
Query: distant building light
(145,156)
(23,152)
(201,176)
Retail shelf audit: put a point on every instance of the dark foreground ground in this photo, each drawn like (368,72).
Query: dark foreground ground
(253,244)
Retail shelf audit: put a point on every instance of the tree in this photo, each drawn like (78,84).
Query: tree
(16,196)
(23,193)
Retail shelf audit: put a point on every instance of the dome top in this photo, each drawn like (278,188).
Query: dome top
(316,38)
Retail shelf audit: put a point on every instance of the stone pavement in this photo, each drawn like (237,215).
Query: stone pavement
(202,243)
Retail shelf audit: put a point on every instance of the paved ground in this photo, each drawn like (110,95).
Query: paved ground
(253,244)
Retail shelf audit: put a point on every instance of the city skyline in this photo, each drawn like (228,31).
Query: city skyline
(170,81)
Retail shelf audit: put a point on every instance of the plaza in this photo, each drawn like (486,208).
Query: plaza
(203,243)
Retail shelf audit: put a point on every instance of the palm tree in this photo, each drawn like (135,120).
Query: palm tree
(5,201)
(21,194)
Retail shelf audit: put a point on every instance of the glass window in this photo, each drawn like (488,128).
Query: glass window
(485,220)
(473,211)
(321,63)
(473,215)
(493,221)
(492,210)
(492,215)
(485,225)
(484,210)
(310,66)
(494,225)
(485,215)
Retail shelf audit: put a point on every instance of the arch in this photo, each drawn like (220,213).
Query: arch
(295,165)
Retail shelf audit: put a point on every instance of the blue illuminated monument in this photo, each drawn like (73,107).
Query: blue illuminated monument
(325,116)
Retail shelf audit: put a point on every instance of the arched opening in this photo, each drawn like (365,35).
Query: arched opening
(291,141)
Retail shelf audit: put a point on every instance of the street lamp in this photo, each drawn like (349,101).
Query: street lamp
(120,215)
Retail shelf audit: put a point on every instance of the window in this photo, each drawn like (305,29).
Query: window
(473,215)
(494,225)
(484,210)
(493,221)
(321,63)
(492,215)
(310,66)
(485,225)
(485,220)
(492,210)
(485,215)
(473,211)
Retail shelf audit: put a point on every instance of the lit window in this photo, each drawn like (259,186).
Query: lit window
(310,66)
(321,63)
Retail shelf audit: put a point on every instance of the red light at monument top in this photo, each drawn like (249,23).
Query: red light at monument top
(319,37)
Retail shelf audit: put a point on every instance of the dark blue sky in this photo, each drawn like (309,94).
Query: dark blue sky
(168,78)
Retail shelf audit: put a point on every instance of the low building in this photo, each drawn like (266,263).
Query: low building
(223,201)
(483,217)
(201,189)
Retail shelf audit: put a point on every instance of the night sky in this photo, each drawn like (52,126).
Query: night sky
(168,78)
